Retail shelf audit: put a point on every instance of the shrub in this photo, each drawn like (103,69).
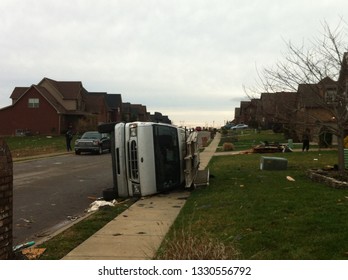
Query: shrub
(227,146)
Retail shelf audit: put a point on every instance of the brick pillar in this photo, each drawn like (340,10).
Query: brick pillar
(6,199)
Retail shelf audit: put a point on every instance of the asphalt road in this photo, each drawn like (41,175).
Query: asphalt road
(52,192)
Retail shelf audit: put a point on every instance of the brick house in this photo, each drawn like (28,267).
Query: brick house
(314,106)
(277,110)
(269,111)
(246,112)
(50,107)
(114,102)
(134,112)
(159,118)
(106,107)
(46,108)
(293,112)
(34,111)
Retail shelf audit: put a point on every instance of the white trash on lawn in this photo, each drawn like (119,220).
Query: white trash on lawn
(94,206)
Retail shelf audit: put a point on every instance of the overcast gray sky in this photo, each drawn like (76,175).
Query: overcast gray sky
(188,59)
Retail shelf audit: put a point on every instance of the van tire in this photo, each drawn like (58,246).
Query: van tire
(109,194)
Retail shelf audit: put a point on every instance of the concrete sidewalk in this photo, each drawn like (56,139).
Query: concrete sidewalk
(137,233)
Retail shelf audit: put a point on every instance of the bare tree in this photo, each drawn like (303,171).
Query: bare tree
(325,57)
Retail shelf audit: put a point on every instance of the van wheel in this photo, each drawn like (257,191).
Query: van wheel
(109,194)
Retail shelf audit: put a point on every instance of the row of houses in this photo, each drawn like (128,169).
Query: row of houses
(312,107)
(51,107)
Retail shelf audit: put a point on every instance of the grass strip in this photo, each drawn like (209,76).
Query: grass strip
(60,245)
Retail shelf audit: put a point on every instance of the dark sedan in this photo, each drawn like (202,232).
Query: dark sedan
(93,142)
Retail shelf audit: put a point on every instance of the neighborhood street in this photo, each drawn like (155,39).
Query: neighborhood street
(52,192)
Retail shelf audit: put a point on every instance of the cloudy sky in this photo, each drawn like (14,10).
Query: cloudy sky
(188,59)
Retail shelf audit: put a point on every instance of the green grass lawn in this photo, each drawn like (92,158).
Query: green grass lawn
(262,215)
(35,145)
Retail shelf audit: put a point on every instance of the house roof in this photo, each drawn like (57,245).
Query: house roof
(327,81)
(50,98)
(68,89)
(18,92)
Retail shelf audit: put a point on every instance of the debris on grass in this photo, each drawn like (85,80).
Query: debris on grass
(289,178)
(94,206)
(33,253)
(23,245)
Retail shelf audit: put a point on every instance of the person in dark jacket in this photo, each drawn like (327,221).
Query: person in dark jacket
(305,140)
(68,138)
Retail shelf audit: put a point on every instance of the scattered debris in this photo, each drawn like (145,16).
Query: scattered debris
(93,198)
(266,147)
(94,206)
(72,218)
(33,253)
(23,245)
(289,178)
(26,220)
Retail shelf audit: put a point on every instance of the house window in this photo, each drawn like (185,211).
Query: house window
(33,103)
(331,94)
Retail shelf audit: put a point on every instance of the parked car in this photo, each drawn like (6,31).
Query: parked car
(239,126)
(93,142)
(228,125)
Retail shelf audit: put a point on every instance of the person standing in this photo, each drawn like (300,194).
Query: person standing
(68,138)
(305,140)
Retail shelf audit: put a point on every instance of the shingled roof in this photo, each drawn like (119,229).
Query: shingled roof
(68,89)
(18,92)
(50,98)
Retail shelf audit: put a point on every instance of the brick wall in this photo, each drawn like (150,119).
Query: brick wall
(6,194)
